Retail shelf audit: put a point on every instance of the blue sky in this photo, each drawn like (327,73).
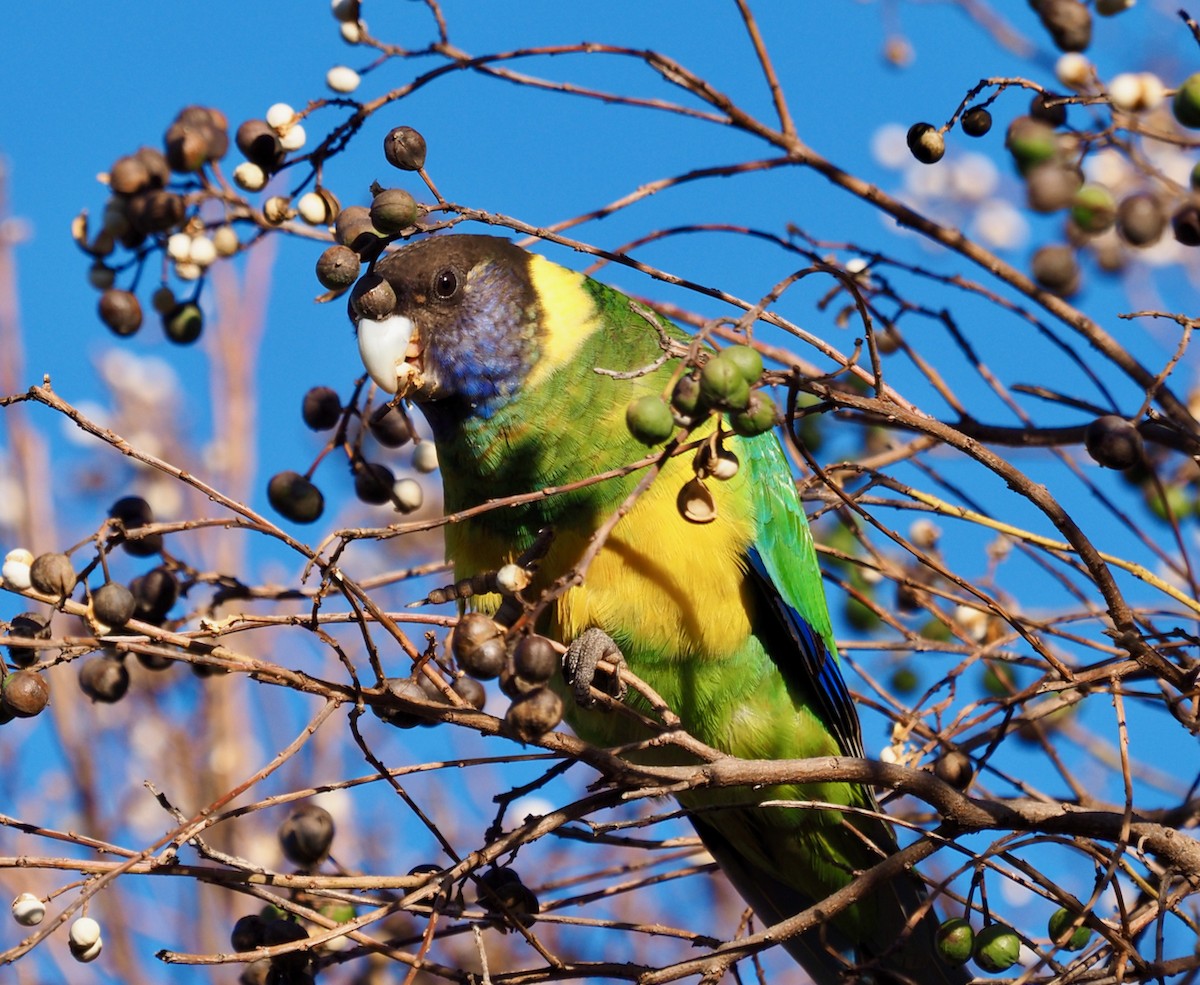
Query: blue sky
(83,83)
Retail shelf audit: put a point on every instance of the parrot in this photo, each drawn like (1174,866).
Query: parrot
(524,371)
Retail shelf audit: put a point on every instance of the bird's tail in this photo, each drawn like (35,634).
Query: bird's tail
(897,954)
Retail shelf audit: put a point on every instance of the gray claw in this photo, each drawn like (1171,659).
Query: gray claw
(580,661)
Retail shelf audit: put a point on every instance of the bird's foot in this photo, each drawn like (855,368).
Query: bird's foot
(581,660)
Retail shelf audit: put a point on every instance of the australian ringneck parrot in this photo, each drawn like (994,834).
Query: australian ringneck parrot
(726,620)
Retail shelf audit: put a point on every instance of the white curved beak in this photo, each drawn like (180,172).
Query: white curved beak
(385,348)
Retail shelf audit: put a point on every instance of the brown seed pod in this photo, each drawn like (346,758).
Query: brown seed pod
(954,768)
(535,659)
(373,297)
(306,835)
(405,149)
(156,210)
(534,714)
(113,604)
(338,267)
(120,311)
(104,678)
(24,693)
(52,574)
(128,175)
(393,210)
(30,626)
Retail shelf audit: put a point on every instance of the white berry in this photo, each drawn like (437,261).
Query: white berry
(89,953)
(249,176)
(28,910)
(512,578)
(85,932)
(425,457)
(178,245)
(294,138)
(225,239)
(16,569)
(279,115)
(352,31)
(202,251)
(409,495)
(1073,70)
(313,209)
(341,78)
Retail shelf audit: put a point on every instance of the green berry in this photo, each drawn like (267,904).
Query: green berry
(649,420)
(997,948)
(392,210)
(1031,142)
(746,359)
(685,398)
(1094,209)
(723,386)
(955,941)
(759,416)
(184,323)
(1187,102)
(1063,935)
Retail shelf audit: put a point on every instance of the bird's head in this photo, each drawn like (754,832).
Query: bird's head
(449,318)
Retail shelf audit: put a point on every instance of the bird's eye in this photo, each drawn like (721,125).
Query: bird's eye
(445,284)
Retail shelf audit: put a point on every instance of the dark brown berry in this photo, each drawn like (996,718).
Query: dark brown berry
(52,574)
(321,408)
(926,143)
(471,691)
(1113,442)
(1185,224)
(534,715)
(259,142)
(306,835)
(120,311)
(407,689)
(1047,107)
(390,426)
(1055,268)
(104,679)
(24,693)
(28,626)
(535,659)
(186,147)
(1069,23)
(373,483)
(156,166)
(1140,219)
(373,297)
(976,121)
(156,210)
(478,646)
(155,593)
(247,933)
(338,267)
(135,512)
(295,497)
(1051,186)
(954,768)
(405,149)
(113,604)
(128,175)
(502,893)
